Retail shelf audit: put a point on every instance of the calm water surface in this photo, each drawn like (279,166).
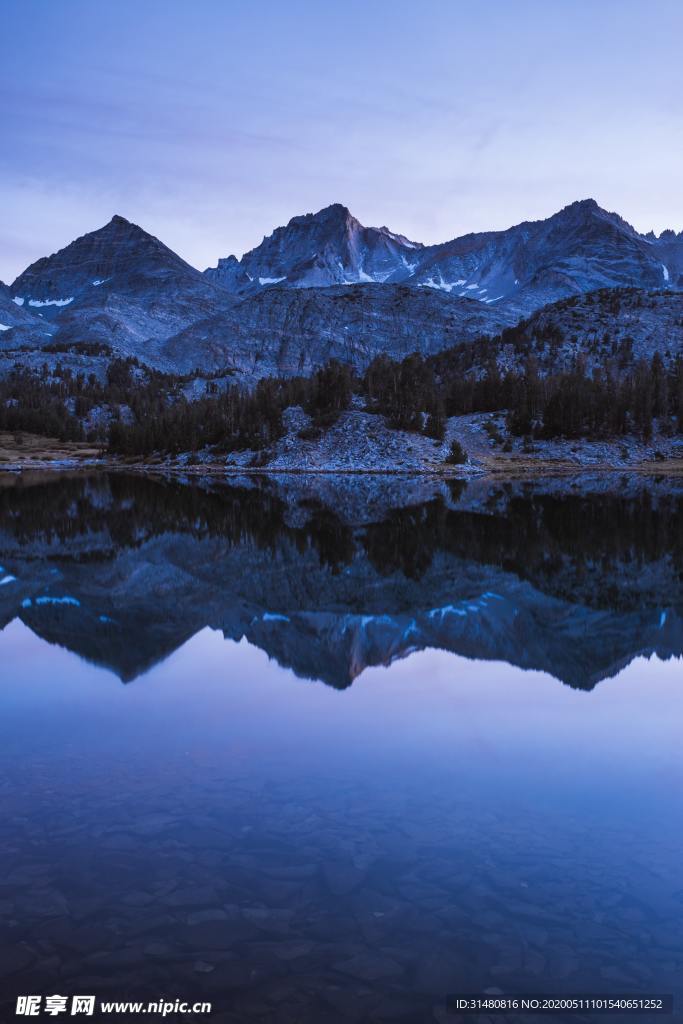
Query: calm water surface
(363,758)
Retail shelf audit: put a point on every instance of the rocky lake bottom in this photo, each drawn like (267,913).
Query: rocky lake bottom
(485,797)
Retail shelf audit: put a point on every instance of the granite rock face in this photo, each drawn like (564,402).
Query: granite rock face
(578,249)
(120,253)
(286,332)
(318,250)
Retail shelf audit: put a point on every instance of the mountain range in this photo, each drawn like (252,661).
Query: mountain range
(324,285)
(579,249)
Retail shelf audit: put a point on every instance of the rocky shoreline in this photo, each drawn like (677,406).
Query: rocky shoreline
(361,443)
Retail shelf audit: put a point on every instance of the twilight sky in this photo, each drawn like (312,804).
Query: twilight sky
(210,122)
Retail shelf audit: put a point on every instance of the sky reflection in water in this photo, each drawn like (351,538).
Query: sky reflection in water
(513,832)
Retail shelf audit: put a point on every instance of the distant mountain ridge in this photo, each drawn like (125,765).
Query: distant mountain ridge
(578,249)
(321,286)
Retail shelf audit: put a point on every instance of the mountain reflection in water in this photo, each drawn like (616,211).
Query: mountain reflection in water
(297,855)
(331,577)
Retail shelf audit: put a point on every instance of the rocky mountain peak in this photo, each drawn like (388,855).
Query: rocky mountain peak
(335,213)
(583,204)
(335,218)
(589,211)
(329,247)
(115,253)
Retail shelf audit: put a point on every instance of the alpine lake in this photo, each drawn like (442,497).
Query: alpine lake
(327,750)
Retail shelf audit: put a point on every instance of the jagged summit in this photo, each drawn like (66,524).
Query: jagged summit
(582,204)
(320,249)
(589,209)
(333,212)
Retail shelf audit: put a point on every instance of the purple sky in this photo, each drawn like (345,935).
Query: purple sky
(210,123)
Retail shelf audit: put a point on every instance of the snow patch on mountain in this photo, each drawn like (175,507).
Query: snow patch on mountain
(49,302)
(444,286)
